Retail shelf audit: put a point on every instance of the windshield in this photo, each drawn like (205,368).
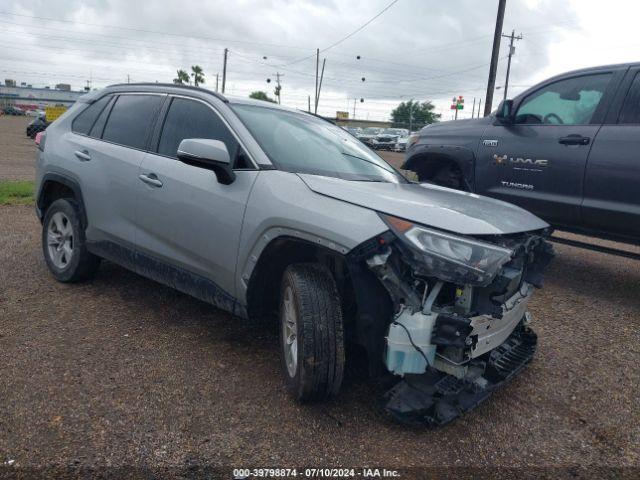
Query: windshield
(371,131)
(301,143)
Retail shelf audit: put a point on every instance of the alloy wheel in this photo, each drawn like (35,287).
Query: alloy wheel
(290,332)
(60,240)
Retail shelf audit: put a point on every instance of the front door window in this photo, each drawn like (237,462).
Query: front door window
(572,101)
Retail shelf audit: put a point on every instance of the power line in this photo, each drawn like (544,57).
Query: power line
(360,28)
(178,55)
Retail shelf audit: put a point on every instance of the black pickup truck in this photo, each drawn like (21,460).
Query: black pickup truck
(567,149)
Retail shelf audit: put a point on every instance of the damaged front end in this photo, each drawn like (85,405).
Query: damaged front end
(459,325)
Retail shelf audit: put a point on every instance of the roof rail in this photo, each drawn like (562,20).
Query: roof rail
(172,85)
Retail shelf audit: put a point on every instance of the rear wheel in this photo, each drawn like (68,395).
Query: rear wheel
(311,332)
(64,244)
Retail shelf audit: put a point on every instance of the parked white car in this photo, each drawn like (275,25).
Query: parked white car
(35,113)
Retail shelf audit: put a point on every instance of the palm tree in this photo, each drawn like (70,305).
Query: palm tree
(183,77)
(197,74)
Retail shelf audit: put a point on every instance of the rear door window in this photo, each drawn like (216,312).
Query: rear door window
(631,108)
(131,118)
(193,119)
(84,121)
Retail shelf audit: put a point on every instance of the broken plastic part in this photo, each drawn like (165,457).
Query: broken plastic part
(436,398)
(385,266)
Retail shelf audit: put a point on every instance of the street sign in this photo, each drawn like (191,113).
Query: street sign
(51,112)
(457,103)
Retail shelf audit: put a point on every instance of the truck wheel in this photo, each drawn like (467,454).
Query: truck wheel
(450,177)
(311,332)
(64,243)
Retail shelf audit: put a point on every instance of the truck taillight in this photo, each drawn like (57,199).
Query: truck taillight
(40,139)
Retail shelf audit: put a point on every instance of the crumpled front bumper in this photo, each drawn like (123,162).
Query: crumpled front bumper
(436,398)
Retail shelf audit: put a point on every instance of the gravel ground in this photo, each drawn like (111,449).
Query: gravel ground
(17,151)
(123,371)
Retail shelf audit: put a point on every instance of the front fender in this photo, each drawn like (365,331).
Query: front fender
(281,205)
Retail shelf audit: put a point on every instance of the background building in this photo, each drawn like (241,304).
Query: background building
(29,98)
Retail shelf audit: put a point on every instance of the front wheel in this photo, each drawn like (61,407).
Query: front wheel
(311,332)
(446,176)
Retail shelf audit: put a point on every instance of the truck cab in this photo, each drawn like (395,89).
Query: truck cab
(566,150)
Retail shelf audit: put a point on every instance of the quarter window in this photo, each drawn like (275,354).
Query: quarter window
(631,108)
(130,120)
(98,126)
(571,101)
(192,119)
(84,121)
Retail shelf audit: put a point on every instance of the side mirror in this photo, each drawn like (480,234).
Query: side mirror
(504,114)
(209,154)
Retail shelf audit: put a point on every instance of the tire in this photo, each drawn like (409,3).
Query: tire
(64,243)
(309,292)
(448,177)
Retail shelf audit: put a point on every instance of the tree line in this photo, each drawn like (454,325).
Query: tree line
(183,76)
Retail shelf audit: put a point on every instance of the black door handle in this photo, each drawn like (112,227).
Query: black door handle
(574,140)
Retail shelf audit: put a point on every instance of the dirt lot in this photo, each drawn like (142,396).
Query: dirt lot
(123,371)
(17,151)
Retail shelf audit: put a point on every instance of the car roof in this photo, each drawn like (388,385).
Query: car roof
(177,88)
(603,67)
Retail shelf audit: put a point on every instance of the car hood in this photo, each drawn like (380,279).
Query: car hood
(430,205)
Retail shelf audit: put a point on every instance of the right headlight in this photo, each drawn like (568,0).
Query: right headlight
(450,257)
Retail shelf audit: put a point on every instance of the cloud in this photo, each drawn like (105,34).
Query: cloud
(425,49)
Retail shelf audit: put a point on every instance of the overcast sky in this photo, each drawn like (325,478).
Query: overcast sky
(421,49)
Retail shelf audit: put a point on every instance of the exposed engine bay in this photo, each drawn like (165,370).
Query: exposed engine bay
(459,325)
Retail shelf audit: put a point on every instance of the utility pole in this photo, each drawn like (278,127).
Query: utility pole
(324,61)
(491,84)
(512,50)
(317,68)
(309,103)
(410,117)
(278,87)
(217,79)
(355,100)
(479,105)
(473,108)
(224,69)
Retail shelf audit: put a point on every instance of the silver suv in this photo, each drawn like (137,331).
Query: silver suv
(268,212)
